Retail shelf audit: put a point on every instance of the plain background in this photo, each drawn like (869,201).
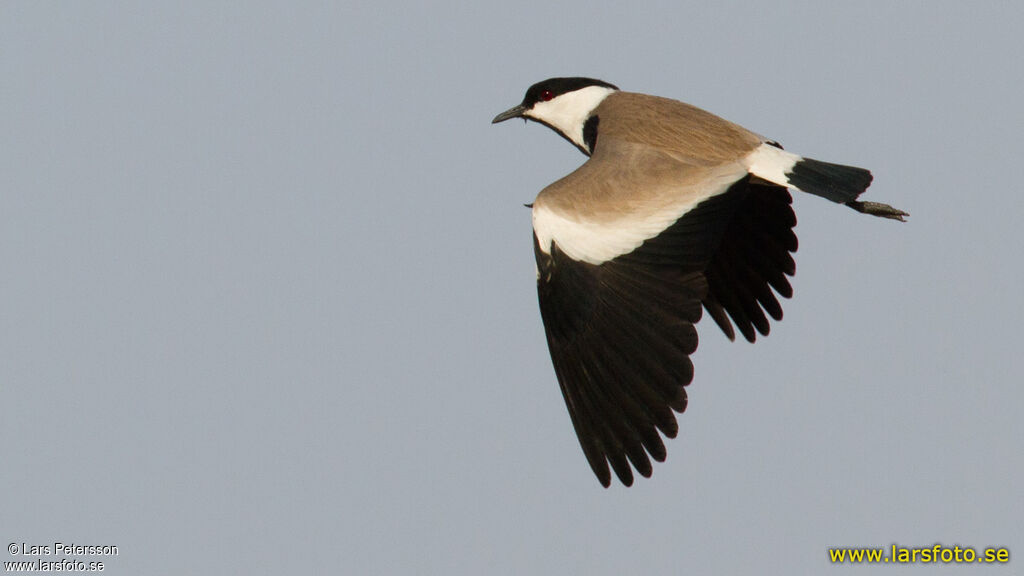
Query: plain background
(267,294)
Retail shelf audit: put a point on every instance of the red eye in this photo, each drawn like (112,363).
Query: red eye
(546,95)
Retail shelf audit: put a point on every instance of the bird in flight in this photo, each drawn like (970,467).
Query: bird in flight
(674,212)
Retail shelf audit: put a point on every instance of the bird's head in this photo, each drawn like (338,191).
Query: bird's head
(562,104)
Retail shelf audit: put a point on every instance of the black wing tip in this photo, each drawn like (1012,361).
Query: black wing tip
(626,477)
(753,260)
(681,400)
(621,334)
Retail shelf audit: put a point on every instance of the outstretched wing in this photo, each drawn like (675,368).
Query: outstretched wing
(620,333)
(753,259)
(629,248)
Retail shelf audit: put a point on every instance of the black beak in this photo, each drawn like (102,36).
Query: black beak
(514,112)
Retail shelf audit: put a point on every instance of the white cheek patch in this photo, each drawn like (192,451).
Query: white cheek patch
(771,163)
(568,112)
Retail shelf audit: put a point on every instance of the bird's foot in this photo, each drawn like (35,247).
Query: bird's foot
(878,209)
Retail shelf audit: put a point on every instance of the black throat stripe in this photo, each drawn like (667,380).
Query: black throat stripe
(590,133)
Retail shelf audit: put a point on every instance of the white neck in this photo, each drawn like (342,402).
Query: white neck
(567,113)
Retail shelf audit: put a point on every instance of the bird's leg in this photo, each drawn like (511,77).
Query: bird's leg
(878,209)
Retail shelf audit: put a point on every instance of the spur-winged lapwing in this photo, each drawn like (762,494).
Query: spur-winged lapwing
(676,209)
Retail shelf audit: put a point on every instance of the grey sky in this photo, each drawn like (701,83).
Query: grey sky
(268,294)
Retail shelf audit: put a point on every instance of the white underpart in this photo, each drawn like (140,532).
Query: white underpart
(597,242)
(569,112)
(771,163)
